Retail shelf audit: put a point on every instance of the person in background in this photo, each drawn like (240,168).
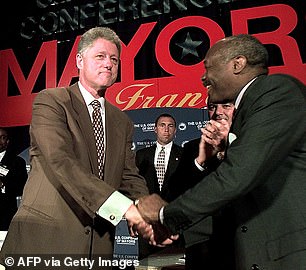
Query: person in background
(13,176)
(263,173)
(146,158)
(196,162)
(71,201)
(147,163)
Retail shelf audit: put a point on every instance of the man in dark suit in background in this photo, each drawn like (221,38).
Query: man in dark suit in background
(147,159)
(13,176)
(263,172)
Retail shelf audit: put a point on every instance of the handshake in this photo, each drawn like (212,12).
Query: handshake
(143,219)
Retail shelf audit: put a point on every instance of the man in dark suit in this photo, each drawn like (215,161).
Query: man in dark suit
(263,172)
(146,161)
(146,158)
(197,161)
(13,176)
(68,207)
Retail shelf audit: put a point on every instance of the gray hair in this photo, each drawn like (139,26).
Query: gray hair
(95,33)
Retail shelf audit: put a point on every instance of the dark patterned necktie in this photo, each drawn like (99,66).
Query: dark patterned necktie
(160,167)
(97,124)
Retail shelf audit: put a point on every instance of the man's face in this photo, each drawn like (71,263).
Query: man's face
(165,130)
(3,140)
(98,64)
(219,111)
(218,77)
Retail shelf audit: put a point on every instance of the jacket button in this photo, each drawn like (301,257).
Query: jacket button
(244,229)
(255,267)
(87,230)
(112,217)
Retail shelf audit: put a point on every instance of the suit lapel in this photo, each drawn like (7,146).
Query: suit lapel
(151,155)
(83,119)
(114,141)
(243,109)
(172,161)
(172,165)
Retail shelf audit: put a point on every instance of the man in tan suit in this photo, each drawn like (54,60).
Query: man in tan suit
(66,208)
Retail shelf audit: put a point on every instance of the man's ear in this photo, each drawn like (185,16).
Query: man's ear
(79,61)
(239,63)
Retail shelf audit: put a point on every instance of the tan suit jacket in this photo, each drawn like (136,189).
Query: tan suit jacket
(63,192)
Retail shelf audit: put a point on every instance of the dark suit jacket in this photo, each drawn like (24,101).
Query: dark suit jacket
(63,192)
(187,174)
(263,174)
(14,182)
(209,242)
(145,164)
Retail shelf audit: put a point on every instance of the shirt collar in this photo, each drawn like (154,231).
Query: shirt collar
(238,100)
(88,97)
(2,155)
(167,146)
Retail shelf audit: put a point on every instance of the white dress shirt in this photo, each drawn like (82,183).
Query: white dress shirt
(2,155)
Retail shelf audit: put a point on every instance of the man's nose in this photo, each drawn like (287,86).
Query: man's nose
(219,110)
(108,63)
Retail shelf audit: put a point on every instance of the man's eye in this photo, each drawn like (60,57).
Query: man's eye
(115,60)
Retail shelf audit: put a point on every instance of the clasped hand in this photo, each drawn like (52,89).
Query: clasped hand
(143,220)
(213,139)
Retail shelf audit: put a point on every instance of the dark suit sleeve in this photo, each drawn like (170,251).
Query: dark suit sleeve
(270,109)
(187,173)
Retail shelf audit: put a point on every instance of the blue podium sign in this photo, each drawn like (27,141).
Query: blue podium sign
(125,246)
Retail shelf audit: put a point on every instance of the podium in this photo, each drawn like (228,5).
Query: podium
(125,246)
